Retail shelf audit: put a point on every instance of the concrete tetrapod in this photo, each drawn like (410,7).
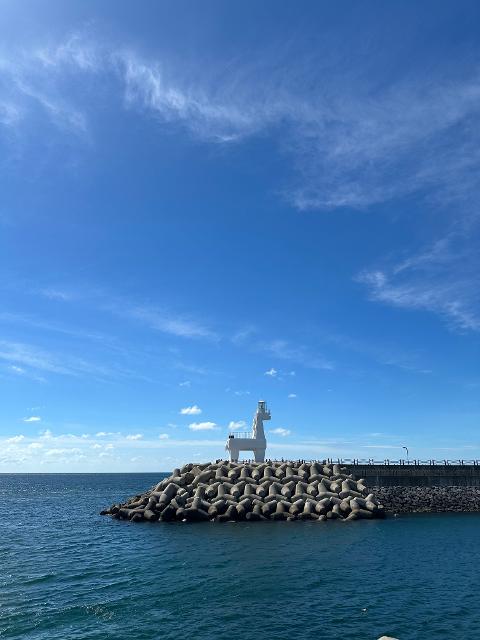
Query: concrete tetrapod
(228,491)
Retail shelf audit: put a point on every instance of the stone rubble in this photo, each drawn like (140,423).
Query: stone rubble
(401,499)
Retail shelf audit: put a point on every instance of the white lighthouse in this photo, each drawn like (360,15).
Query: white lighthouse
(254,441)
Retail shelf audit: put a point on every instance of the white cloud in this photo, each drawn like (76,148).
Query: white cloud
(15,439)
(279,431)
(194,410)
(63,452)
(134,436)
(292,395)
(202,426)
(238,424)
(32,419)
(185,383)
(380,446)
(68,452)
(104,434)
(271,372)
(163,436)
(15,369)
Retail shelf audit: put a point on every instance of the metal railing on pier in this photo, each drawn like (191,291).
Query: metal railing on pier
(406,463)
(366,461)
(370,461)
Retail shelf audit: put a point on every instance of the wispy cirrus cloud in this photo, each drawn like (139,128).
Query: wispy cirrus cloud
(57,294)
(47,325)
(354,138)
(30,356)
(175,324)
(25,355)
(444,280)
(354,144)
(157,320)
(25,373)
(27,88)
(296,354)
(154,86)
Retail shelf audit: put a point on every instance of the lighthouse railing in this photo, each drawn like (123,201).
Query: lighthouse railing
(241,434)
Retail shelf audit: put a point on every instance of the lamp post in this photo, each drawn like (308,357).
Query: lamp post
(406,449)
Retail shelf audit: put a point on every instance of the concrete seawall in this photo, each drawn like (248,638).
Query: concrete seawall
(380,475)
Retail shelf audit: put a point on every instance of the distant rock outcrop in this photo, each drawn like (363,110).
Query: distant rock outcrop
(226,491)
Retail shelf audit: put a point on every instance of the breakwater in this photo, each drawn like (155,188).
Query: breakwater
(418,475)
(224,492)
(423,488)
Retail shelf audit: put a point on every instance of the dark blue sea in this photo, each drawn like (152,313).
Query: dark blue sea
(68,573)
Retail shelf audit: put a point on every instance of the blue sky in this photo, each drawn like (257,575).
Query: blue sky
(202,205)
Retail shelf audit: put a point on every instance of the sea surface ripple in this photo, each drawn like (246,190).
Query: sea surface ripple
(67,572)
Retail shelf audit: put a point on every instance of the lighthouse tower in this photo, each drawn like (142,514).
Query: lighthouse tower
(253,441)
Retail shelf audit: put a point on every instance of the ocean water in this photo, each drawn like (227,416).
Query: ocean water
(68,573)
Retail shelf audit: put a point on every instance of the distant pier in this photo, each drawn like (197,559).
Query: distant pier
(434,474)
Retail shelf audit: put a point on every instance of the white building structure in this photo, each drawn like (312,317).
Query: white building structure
(254,441)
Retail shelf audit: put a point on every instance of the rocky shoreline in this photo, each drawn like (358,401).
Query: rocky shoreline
(226,491)
(453,499)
